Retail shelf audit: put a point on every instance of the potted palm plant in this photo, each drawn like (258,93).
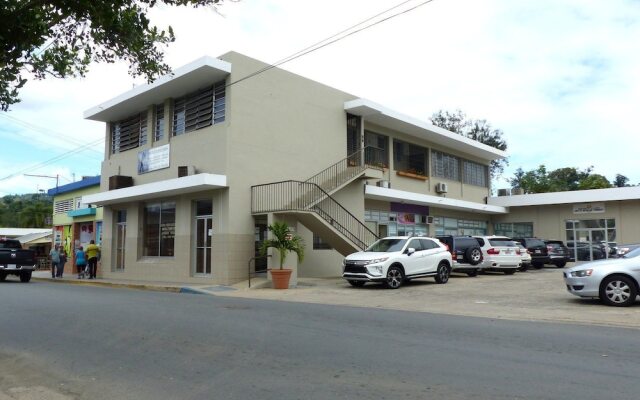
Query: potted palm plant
(284,241)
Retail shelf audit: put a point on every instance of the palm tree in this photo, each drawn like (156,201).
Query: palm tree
(284,241)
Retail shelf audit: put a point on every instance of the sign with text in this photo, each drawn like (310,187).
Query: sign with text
(588,208)
(153,159)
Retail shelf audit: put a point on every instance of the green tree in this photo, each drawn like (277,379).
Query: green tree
(594,181)
(559,180)
(620,181)
(61,38)
(479,130)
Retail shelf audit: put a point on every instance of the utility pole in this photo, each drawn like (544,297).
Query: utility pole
(57,177)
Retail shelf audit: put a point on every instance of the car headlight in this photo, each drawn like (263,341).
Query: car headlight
(378,260)
(375,269)
(344,262)
(582,273)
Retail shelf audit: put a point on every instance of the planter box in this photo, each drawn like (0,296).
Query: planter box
(412,175)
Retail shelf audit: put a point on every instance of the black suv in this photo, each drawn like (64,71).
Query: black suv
(465,252)
(538,250)
(559,254)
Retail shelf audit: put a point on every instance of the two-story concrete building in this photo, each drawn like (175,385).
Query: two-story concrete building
(199,162)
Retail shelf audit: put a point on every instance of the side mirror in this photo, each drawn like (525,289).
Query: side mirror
(410,251)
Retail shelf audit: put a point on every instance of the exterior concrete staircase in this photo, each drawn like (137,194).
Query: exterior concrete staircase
(311,202)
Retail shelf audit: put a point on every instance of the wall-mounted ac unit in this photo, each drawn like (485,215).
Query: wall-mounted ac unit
(517,191)
(503,192)
(426,219)
(186,170)
(120,181)
(384,184)
(441,187)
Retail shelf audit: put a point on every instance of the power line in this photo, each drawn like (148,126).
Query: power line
(54,159)
(326,42)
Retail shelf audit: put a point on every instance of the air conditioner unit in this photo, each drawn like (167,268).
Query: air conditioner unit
(427,219)
(441,187)
(517,191)
(185,170)
(384,184)
(503,192)
(120,181)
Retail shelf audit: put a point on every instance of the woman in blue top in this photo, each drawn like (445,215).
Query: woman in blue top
(81,262)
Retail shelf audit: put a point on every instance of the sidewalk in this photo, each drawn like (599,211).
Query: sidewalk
(177,287)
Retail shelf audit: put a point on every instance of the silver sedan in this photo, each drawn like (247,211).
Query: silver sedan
(616,281)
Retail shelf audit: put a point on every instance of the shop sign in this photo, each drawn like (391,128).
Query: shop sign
(588,208)
(153,159)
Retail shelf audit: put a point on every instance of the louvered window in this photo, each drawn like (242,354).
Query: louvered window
(63,206)
(475,174)
(159,125)
(445,166)
(200,109)
(129,133)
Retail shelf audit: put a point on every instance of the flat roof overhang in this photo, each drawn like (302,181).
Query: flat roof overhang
(401,196)
(382,116)
(570,197)
(148,191)
(189,78)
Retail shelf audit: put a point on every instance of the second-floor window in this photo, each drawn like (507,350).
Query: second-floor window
(475,174)
(445,166)
(200,109)
(409,157)
(159,125)
(378,141)
(129,133)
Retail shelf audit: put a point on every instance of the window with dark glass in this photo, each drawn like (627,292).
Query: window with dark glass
(445,166)
(129,133)
(378,141)
(159,229)
(319,244)
(199,109)
(409,157)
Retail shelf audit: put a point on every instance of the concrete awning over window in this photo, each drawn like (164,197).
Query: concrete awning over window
(386,194)
(154,190)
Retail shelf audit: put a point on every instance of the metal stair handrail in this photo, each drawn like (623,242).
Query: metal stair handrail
(303,196)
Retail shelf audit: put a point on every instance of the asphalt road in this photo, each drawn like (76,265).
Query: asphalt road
(60,341)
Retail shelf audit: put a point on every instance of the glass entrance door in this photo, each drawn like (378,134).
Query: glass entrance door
(120,238)
(203,233)
(590,239)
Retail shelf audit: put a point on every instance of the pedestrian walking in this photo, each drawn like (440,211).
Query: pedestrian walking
(81,262)
(93,254)
(63,261)
(54,255)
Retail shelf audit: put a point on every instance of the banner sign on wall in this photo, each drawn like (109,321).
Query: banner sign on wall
(588,208)
(153,159)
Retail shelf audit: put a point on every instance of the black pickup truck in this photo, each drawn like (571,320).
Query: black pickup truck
(16,261)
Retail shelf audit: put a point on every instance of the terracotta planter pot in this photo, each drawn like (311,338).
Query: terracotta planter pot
(280,278)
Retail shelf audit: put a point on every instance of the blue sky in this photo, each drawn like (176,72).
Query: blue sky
(561,79)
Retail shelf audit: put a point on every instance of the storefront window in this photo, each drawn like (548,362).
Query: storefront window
(159,229)
(515,229)
(392,223)
(453,226)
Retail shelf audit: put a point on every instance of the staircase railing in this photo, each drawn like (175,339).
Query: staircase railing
(349,167)
(303,196)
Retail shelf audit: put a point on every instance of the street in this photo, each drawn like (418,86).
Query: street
(60,341)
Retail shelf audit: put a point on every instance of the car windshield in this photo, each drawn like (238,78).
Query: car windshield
(632,253)
(387,245)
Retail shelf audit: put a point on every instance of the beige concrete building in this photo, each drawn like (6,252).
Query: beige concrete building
(198,163)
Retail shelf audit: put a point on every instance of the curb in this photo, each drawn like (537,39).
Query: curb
(172,289)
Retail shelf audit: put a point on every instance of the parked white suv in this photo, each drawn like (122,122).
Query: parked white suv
(500,253)
(392,260)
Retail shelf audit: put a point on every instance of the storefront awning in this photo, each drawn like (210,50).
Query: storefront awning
(154,190)
(401,196)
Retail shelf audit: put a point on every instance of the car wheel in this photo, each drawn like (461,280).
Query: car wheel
(560,264)
(395,277)
(523,268)
(473,273)
(3,277)
(25,276)
(473,255)
(357,283)
(618,290)
(509,271)
(537,265)
(443,272)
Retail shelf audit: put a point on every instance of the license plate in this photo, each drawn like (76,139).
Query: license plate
(537,251)
(509,251)
(11,266)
